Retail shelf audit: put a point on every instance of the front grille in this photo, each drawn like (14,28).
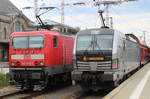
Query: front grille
(83,65)
(93,66)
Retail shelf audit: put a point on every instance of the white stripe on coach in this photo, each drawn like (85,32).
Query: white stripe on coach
(17,56)
(38,56)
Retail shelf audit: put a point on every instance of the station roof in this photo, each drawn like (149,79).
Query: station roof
(6,8)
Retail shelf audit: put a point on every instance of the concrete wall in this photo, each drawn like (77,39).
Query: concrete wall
(4,67)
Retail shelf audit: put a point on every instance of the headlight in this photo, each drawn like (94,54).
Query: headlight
(13,64)
(41,63)
(114,64)
(36,63)
(18,63)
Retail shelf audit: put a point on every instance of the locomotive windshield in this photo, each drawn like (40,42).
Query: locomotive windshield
(35,42)
(28,42)
(94,42)
(20,42)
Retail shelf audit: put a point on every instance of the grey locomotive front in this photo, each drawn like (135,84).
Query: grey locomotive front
(102,57)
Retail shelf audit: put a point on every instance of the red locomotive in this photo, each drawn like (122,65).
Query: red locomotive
(39,58)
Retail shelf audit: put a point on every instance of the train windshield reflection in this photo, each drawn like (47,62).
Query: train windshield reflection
(96,42)
(28,42)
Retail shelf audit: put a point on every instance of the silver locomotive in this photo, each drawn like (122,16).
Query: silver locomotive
(103,57)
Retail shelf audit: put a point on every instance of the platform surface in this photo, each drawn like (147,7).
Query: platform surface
(135,87)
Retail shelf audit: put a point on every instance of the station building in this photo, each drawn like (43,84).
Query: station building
(11,20)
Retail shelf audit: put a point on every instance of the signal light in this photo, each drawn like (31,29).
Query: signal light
(36,63)
(41,63)
(114,66)
(18,63)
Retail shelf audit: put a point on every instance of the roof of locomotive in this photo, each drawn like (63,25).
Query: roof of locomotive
(42,32)
(96,31)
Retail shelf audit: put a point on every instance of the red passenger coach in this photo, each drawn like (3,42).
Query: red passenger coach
(39,58)
(143,51)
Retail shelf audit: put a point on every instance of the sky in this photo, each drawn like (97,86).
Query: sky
(128,17)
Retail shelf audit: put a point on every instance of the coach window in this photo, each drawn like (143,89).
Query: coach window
(55,42)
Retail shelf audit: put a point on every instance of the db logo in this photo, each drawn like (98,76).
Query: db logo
(27,57)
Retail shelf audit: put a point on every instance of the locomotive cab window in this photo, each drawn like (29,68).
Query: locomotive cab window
(55,42)
(28,42)
(20,42)
(102,42)
(36,42)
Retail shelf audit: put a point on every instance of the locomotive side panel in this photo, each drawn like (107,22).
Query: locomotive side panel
(68,44)
(56,51)
(132,56)
(119,53)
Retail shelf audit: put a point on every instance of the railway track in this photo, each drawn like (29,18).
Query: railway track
(70,92)
(9,93)
(65,92)
(23,95)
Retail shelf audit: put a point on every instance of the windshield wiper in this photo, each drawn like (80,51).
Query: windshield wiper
(98,45)
(93,45)
(90,46)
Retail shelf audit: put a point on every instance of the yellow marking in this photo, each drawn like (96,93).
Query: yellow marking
(84,58)
(96,58)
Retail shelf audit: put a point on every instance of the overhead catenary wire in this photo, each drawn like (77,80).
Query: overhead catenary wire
(78,18)
(98,3)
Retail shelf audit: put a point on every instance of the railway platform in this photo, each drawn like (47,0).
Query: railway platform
(135,87)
